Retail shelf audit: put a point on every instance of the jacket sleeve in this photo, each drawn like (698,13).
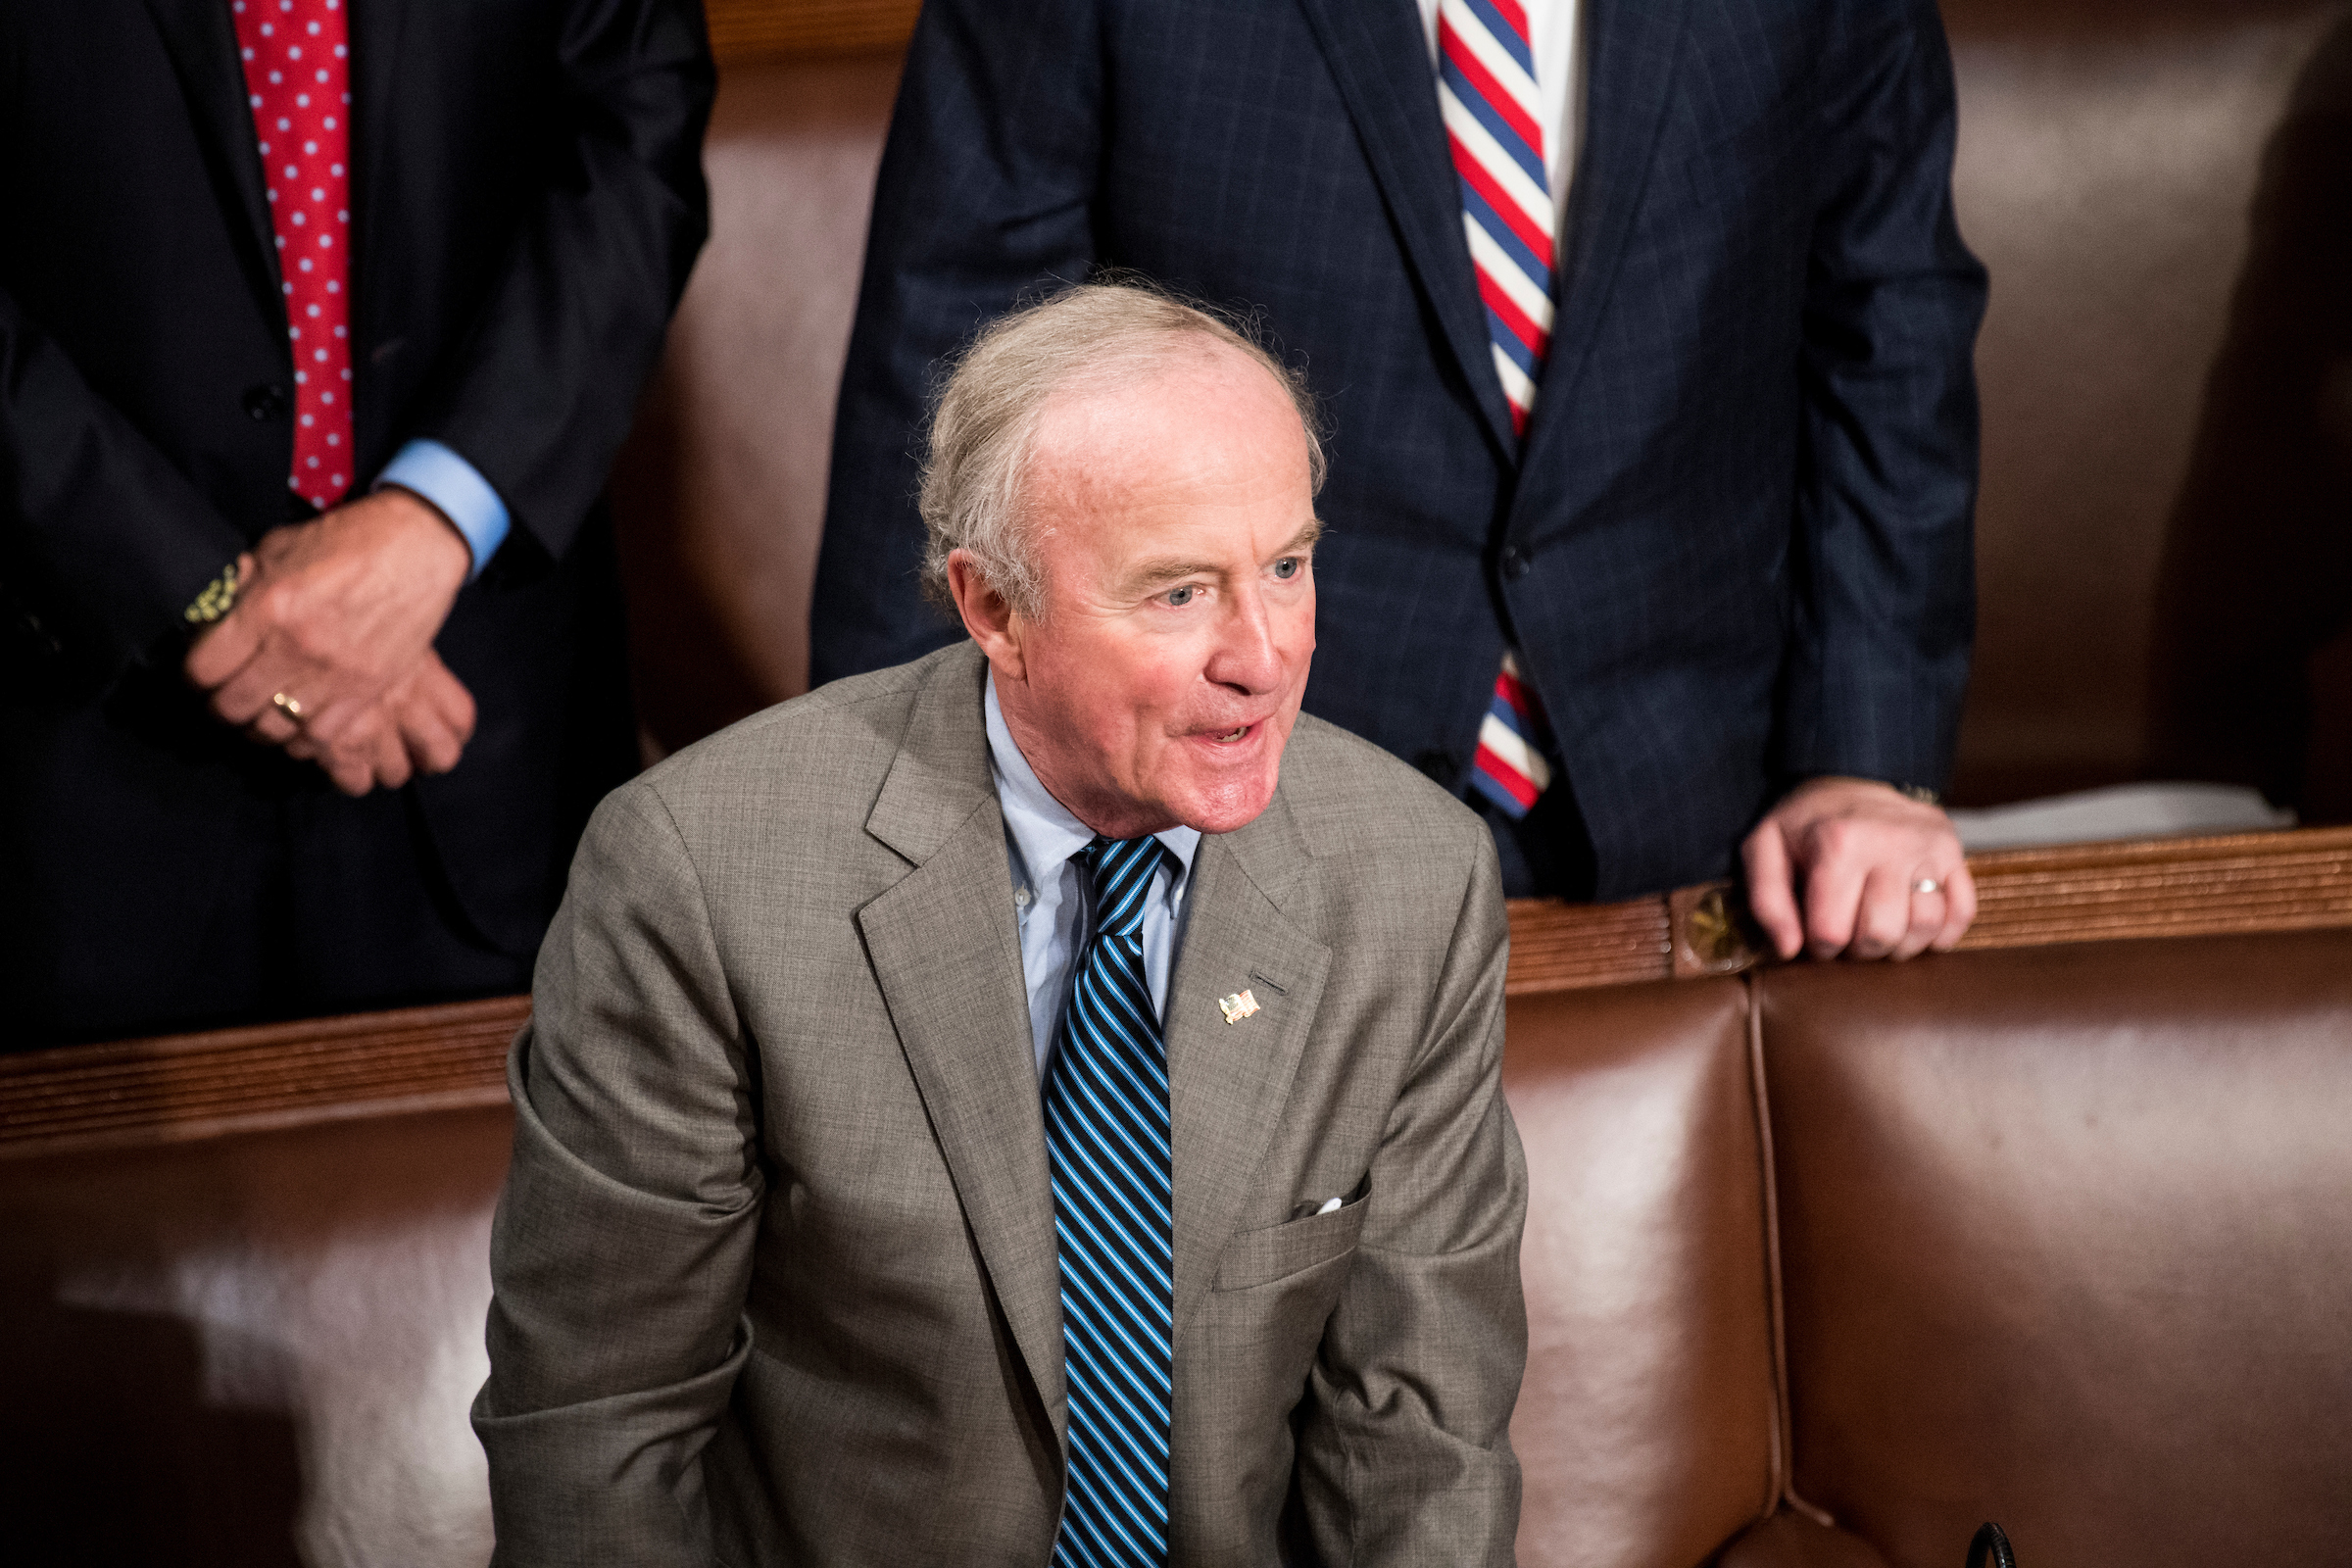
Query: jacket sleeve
(622,1246)
(1405,1448)
(103,543)
(544,391)
(1883,553)
(985,197)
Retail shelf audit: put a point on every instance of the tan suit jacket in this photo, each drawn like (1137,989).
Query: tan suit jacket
(776,1268)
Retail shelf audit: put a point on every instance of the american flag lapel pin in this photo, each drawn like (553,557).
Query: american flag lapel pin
(1237,1007)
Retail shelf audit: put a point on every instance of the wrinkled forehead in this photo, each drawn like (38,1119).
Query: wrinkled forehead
(1206,422)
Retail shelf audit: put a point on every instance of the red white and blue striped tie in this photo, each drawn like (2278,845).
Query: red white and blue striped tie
(1511,770)
(1487,91)
(1495,129)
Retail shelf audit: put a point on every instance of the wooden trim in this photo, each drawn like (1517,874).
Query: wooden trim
(1569,947)
(186,1087)
(753,32)
(145,1091)
(2245,882)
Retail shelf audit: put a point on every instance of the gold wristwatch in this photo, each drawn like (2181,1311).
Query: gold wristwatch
(218,598)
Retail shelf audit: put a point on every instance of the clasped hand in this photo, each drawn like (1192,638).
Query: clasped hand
(338,615)
(1865,855)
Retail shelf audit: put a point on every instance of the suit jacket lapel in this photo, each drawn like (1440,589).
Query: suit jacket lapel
(952,979)
(201,42)
(946,954)
(1381,62)
(1229,1084)
(1631,47)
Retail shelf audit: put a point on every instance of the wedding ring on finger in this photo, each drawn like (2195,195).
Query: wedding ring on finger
(288,706)
(1926,883)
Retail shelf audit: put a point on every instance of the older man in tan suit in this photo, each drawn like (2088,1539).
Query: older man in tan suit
(1039,1104)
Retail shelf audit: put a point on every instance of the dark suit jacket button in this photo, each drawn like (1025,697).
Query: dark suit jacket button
(264,402)
(1440,766)
(1514,564)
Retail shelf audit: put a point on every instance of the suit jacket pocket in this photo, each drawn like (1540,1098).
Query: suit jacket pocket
(1277,1252)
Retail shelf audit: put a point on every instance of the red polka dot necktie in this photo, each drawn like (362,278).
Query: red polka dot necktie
(297,58)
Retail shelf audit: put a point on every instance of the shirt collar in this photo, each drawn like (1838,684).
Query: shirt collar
(1042,829)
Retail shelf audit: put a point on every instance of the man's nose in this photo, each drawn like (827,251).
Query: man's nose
(1247,658)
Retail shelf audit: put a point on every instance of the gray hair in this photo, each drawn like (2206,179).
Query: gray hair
(1108,333)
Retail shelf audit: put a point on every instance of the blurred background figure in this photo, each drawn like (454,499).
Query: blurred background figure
(320,326)
(1625,559)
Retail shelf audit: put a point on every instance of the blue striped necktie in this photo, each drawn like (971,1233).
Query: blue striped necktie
(1106,1140)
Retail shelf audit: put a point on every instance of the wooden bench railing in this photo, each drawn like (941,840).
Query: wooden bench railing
(746,31)
(184,1087)
(2296,881)
(432,1059)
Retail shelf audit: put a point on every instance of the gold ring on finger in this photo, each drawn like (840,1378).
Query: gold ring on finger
(288,706)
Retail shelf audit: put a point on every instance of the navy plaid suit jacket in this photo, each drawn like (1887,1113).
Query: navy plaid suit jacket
(1735,549)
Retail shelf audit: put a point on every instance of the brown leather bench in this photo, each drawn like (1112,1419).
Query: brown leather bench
(250,1349)
(2052,1234)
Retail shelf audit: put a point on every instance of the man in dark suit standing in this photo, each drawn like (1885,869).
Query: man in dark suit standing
(320,326)
(1667,554)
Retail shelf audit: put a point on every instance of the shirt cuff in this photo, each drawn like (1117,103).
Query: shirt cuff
(457,487)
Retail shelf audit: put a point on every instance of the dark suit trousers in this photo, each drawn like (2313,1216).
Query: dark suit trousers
(1546,854)
(217,882)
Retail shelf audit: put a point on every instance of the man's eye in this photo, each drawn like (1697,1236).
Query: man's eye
(1180,597)
(1288,568)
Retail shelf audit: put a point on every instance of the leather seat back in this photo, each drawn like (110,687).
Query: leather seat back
(1646,1429)
(2065,1236)
(250,1351)
(2164,398)
(720,493)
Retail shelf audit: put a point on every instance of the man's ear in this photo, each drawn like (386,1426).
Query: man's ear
(986,615)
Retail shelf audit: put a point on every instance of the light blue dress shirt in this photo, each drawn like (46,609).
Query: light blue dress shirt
(457,487)
(1049,892)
